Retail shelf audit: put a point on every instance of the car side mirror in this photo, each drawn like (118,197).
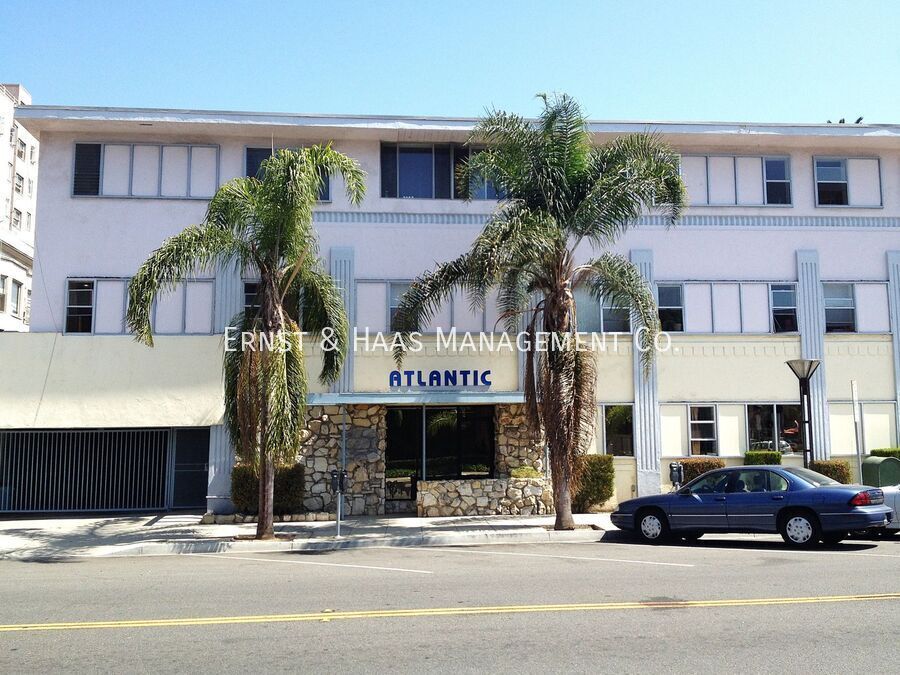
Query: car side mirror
(684,491)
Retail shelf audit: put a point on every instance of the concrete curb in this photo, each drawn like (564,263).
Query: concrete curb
(477,538)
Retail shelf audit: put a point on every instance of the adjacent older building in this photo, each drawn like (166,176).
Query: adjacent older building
(790,248)
(18,190)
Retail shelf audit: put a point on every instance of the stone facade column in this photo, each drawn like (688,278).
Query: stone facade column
(515,446)
(647,435)
(811,319)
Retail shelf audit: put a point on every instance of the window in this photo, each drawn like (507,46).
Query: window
(480,188)
(256,156)
(17,219)
(711,484)
(87,169)
(616,319)
(80,306)
(840,313)
(774,427)
(427,171)
(251,298)
(778,180)
(777,482)
(28,221)
(619,430)
(395,293)
(20,183)
(671,308)
(12,133)
(32,153)
(831,182)
(2,293)
(749,480)
(20,149)
(703,430)
(784,308)
(30,186)
(148,170)
(587,311)
(15,299)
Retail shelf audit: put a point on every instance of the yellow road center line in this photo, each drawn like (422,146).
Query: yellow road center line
(440,611)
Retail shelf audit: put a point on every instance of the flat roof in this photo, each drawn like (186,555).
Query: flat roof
(38,113)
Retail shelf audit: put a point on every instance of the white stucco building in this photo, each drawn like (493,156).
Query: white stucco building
(18,194)
(790,247)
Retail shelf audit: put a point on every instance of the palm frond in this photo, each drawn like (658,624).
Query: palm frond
(321,308)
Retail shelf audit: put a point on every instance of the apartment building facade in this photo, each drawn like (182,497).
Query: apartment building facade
(18,194)
(790,248)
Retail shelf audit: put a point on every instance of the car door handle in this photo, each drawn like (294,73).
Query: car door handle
(720,499)
(778,497)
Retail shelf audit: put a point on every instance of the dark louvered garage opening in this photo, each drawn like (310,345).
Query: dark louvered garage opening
(101,470)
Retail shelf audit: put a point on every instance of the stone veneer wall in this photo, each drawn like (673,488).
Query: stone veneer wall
(515,447)
(321,452)
(484,497)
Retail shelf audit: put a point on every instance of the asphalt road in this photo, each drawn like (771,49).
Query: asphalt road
(738,603)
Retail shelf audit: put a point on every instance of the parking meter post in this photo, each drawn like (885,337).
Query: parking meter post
(337,488)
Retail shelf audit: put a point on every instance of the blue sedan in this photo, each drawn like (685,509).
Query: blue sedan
(803,506)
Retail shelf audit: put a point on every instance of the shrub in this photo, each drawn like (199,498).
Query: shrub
(288,489)
(525,472)
(762,457)
(597,478)
(886,452)
(836,469)
(695,466)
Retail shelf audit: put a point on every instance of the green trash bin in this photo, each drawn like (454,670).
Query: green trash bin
(881,471)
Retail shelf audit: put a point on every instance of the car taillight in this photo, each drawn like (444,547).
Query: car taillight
(867,497)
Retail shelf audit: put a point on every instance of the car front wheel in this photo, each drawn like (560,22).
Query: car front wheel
(652,526)
(800,529)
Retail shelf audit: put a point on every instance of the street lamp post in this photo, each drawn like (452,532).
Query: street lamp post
(804,369)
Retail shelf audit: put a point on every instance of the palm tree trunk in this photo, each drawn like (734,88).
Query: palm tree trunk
(265,528)
(562,501)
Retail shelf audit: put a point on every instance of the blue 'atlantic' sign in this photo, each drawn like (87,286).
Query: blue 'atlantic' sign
(440,378)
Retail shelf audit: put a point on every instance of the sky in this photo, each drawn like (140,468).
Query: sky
(721,60)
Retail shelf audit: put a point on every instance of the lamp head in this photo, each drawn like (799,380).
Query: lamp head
(803,368)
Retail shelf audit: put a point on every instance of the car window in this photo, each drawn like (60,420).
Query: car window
(710,484)
(748,480)
(811,477)
(777,482)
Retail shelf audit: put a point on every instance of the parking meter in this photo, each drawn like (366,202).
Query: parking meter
(336,481)
(676,474)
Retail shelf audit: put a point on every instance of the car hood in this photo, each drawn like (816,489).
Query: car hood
(631,505)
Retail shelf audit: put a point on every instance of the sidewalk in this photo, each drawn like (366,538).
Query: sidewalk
(49,538)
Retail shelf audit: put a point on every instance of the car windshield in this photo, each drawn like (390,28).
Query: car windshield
(811,477)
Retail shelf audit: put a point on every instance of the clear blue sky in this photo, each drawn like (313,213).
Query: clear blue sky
(781,60)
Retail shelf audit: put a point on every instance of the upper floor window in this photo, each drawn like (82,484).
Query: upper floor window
(12,133)
(79,306)
(671,307)
(146,170)
(2,293)
(831,182)
(251,298)
(28,221)
(616,319)
(703,430)
(15,298)
(30,186)
(784,308)
(595,316)
(778,180)
(20,183)
(20,149)
(256,156)
(32,153)
(427,171)
(17,219)
(840,308)
(395,293)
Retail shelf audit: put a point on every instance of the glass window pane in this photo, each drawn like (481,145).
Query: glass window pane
(703,431)
(832,194)
(784,295)
(777,483)
(441,443)
(669,296)
(838,295)
(396,293)
(703,413)
(778,193)
(403,455)
(761,427)
(776,169)
(388,170)
(460,155)
(749,480)
(840,320)
(616,320)
(711,484)
(671,320)
(619,430)
(587,309)
(255,158)
(416,166)
(830,170)
(476,444)
(789,439)
(442,172)
(784,320)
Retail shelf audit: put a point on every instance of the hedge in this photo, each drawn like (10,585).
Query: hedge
(886,452)
(695,466)
(597,482)
(836,469)
(525,472)
(762,457)
(288,489)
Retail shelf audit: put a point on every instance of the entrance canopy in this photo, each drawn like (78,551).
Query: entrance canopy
(418,397)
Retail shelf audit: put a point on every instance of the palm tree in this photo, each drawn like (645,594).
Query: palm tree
(264,226)
(560,191)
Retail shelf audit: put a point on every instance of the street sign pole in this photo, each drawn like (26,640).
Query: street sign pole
(857,426)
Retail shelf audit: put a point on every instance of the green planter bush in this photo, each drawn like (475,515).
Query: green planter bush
(288,489)
(695,466)
(762,457)
(836,469)
(525,472)
(597,482)
(886,452)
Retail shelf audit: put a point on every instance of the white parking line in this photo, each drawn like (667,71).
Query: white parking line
(310,562)
(549,555)
(701,547)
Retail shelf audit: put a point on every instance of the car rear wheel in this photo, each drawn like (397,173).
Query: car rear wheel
(800,529)
(652,526)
